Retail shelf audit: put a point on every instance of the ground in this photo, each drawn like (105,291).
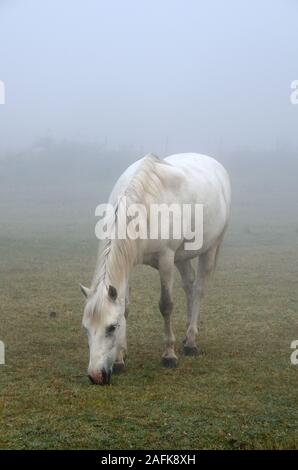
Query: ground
(240,393)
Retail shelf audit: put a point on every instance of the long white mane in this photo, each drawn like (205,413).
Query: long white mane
(117,256)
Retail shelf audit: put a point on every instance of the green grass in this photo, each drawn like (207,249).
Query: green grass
(241,393)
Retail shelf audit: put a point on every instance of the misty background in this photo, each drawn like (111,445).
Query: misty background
(91,86)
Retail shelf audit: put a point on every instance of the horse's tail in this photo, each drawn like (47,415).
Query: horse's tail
(208,261)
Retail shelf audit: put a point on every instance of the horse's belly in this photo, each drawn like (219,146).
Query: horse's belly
(184,255)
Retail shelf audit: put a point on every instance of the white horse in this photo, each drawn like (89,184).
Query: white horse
(180,179)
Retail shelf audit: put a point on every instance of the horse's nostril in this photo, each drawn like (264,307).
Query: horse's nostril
(91,379)
(96,378)
(100,378)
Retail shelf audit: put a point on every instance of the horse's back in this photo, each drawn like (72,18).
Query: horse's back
(205,181)
(188,178)
(200,166)
(195,166)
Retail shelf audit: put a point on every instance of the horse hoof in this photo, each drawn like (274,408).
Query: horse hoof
(190,350)
(169,362)
(118,367)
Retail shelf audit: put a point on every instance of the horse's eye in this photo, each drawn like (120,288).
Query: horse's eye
(110,330)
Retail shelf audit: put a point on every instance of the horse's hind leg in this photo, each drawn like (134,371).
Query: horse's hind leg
(190,286)
(195,292)
(166,271)
(188,277)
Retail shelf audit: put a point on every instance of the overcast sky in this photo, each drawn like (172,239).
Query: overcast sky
(167,75)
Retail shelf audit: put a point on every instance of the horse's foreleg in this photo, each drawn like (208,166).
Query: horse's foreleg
(122,348)
(126,311)
(166,271)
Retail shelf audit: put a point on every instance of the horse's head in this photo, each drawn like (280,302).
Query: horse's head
(105,323)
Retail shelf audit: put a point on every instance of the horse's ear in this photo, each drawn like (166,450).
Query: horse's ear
(112,293)
(85,291)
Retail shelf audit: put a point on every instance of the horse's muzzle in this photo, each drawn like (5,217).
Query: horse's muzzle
(100,377)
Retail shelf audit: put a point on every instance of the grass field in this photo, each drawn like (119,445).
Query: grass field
(241,393)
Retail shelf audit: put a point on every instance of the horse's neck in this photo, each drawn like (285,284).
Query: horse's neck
(120,255)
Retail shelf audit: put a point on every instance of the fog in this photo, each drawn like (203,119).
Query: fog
(159,76)
(90,86)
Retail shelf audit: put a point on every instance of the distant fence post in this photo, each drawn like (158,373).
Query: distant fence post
(2,353)
(2,92)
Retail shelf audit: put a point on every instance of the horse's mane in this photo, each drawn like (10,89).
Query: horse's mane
(119,255)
